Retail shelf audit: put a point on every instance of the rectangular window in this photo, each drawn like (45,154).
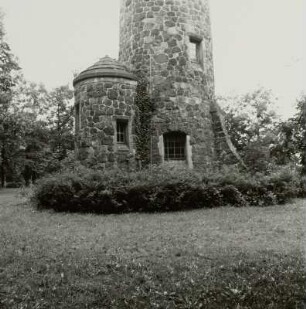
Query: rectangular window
(195,50)
(122,131)
(174,146)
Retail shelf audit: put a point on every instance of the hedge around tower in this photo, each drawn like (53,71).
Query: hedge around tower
(159,190)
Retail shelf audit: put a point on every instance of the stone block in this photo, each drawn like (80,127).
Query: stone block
(107,102)
(109,130)
(172,43)
(112,94)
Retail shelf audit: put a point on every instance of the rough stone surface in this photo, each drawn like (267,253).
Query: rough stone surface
(155,38)
(101,101)
(169,41)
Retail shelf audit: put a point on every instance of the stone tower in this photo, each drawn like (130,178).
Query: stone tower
(169,42)
(104,113)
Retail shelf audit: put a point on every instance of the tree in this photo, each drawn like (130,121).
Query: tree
(10,124)
(27,107)
(301,128)
(31,99)
(48,136)
(251,122)
(61,121)
(36,126)
(291,144)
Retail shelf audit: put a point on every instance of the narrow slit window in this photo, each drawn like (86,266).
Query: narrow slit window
(195,50)
(122,128)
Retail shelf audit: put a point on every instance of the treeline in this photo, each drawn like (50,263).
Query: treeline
(36,125)
(263,140)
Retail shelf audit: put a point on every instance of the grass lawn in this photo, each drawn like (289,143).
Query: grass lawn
(210,258)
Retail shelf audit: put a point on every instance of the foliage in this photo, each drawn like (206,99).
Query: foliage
(232,196)
(10,124)
(36,125)
(250,117)
(60,121)
(115,191)
(301,128)
(284,183)
(30,102)
(44,129)
(262,139)
(251,122)
(30,99)
(303,187)
(48,136)
(8,65)
(291,142)
(143,118)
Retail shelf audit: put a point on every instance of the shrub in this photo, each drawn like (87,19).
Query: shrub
(258,195)
(14,185)
(58,191)
(162,189)
(284,183)
(211,197)
(192,197)
(260,189)
(302,188)
(134,198)
(231,196)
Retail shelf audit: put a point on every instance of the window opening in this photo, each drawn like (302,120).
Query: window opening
(175,144)
(122,126)
(195,49)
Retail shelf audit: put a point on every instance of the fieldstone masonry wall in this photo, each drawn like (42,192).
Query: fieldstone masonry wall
(169,42)
(155,38)
(101,102)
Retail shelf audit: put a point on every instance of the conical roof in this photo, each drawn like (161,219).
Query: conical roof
(105,67)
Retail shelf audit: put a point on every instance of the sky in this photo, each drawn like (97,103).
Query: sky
(256,43)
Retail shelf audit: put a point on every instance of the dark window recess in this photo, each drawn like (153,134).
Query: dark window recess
(122,127)
(195,49)
(175,144)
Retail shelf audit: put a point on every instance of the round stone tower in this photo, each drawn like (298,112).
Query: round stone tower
(170,42)
(104,112)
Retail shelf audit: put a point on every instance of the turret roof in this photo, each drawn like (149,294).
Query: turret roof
(105,67)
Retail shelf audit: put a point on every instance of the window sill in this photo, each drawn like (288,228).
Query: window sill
(123,147)
(197,65)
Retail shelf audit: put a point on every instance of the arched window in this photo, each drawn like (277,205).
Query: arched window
(175,146)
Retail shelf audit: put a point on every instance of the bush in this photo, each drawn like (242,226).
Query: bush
(162,189)
(285,184)
(259,189)
(231,196)
(14,185)
(302,188)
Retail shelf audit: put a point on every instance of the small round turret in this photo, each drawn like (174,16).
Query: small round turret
(104,109)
